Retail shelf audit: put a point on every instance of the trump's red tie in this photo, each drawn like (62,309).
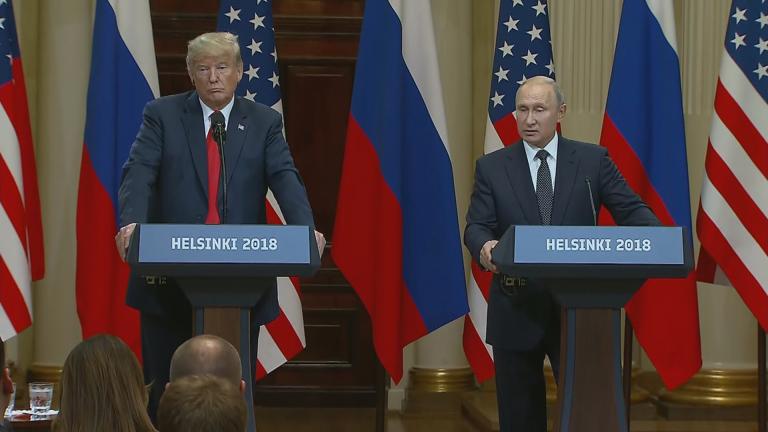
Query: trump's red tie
(214,167)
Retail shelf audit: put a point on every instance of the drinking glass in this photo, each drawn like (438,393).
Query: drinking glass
(40,397)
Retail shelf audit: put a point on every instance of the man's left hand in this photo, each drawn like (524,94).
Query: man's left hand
(320,238)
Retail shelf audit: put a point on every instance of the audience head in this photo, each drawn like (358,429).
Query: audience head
(207,355)
(202,403)
(6,385)
(102,389)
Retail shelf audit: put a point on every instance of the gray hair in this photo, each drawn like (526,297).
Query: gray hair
(216,43)
(541,79)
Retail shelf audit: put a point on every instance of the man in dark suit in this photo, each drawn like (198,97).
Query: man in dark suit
(514,186)
(173,176)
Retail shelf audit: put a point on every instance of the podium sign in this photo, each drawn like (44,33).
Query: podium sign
(592,271)
(598,245)
(594,252)
(225,270)
(224,250)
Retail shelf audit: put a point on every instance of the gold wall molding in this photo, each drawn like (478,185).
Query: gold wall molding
(441,380)
(716,387)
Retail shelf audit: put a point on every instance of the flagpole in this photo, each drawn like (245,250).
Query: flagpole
(761,397)
(382,385)
(626,372)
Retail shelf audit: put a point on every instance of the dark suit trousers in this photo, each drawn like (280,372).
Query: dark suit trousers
(520,385)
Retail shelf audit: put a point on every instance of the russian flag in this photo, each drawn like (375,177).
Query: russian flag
(396,236)
(643,129)
(123,79)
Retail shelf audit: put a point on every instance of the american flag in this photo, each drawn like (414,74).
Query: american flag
(251,21)
(732,222)
(21,234)
(523,50)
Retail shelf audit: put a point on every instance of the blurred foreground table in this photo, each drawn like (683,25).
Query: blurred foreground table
(25,422)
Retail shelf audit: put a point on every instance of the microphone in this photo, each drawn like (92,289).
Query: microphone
(588,181)
(220,136)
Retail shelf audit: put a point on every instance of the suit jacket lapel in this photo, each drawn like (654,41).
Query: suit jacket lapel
(192,118)
(565,177)
(237,130)
(520,179)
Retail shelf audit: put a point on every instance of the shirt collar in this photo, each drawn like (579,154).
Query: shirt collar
(207,111)
(551,148)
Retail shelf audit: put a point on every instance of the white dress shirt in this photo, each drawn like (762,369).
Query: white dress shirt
(534,162)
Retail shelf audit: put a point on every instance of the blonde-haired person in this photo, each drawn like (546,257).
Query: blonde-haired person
(202,403)
(173,175)
(102,389)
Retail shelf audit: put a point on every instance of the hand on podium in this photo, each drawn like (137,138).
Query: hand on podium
(320,238)
(123,239)
(485,256)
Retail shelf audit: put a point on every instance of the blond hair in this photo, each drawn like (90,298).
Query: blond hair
(213,44)
(102,389)
(202,403)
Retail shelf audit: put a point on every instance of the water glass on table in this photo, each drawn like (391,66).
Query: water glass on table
(40,397)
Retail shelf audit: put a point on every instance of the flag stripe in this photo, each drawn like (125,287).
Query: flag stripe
(645,121)
(374,219)
(743,243)
(269,355)
(733,211)
(133,28)
(422,64)
(749,100)
(12,203)
(423,163)
(13,304)
(738,161)
(506,129)
(111,127)
(21,236)
(647,140)
(479,354)
(739,273)
(9,146)
(749,215)
(260,371)
(118,90)
(13,253)
(280,328)
(738,139)
(633,170)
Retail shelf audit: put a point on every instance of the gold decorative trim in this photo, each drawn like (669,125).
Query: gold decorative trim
(45,373)
(638,394)
(442,380)
(716,387)
(549,378)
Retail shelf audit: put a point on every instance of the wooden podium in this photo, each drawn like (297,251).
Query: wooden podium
(224,270)
(592,271)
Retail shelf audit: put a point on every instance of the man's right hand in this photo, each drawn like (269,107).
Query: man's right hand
(123,238)
(485,256)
